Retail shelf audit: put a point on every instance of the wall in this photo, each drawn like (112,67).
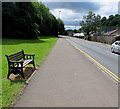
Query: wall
(102,39)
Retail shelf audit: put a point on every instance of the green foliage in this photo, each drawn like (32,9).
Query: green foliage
(113,22)
(102,33)
(18,20)
(28,20)
(46,20)
(60,26)
(90,23)
(75,31)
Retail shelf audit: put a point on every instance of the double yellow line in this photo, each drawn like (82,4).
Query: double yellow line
(98,64)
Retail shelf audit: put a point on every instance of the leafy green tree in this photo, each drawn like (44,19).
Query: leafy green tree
(48,23)
(18,20)
(29,20)
(111,17)
(90,23)
(113,22)
(61,28)
(8,18)
(103,20)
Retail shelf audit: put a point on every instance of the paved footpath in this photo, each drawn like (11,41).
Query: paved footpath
(69,79)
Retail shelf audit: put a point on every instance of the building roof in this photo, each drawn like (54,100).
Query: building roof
(113,32)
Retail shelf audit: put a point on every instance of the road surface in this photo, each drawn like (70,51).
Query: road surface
(99,51)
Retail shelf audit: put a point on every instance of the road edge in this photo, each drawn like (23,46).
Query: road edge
(116,78)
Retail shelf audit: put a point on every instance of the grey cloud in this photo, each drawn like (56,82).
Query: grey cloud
(74,6)
(73,23)
(79,9)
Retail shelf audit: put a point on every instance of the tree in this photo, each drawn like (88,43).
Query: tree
(61,28)
(113,22)
(19,20)
(29,20)
(111,17)
(90,23)
(48,25)
(103,20)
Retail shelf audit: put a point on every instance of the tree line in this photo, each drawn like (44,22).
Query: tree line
(110,23)
(29,20)
(93,23)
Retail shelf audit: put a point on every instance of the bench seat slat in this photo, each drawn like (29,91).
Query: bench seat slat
(25,62)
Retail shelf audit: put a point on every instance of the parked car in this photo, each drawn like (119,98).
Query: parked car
(80,35)
(76,34)
(115,47)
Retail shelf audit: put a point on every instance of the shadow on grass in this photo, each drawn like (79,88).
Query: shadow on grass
(7,41)
(48,37)
(19,41)
(12,82)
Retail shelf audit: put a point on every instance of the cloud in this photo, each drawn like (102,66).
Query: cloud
(67,15)
(74,6)
(108,8)
(71,27)
(72,12)
(75,23)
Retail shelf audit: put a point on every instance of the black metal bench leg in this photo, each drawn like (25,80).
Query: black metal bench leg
(34,64)
(22,73)
(8,74)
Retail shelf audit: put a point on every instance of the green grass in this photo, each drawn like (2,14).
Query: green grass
(39,47)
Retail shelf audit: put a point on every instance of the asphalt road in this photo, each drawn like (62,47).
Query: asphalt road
(99,51)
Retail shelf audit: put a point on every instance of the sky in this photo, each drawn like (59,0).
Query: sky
(72,12)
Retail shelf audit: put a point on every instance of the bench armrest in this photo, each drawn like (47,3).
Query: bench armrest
(29,56)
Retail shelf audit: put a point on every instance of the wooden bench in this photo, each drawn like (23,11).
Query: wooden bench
(17,61)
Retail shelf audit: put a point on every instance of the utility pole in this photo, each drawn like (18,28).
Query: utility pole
(75,25)
(59,14)
(58,24)
(119,7)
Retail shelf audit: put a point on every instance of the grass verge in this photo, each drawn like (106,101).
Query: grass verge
(39,47)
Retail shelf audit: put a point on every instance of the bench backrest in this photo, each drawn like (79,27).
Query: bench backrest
(16,57)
